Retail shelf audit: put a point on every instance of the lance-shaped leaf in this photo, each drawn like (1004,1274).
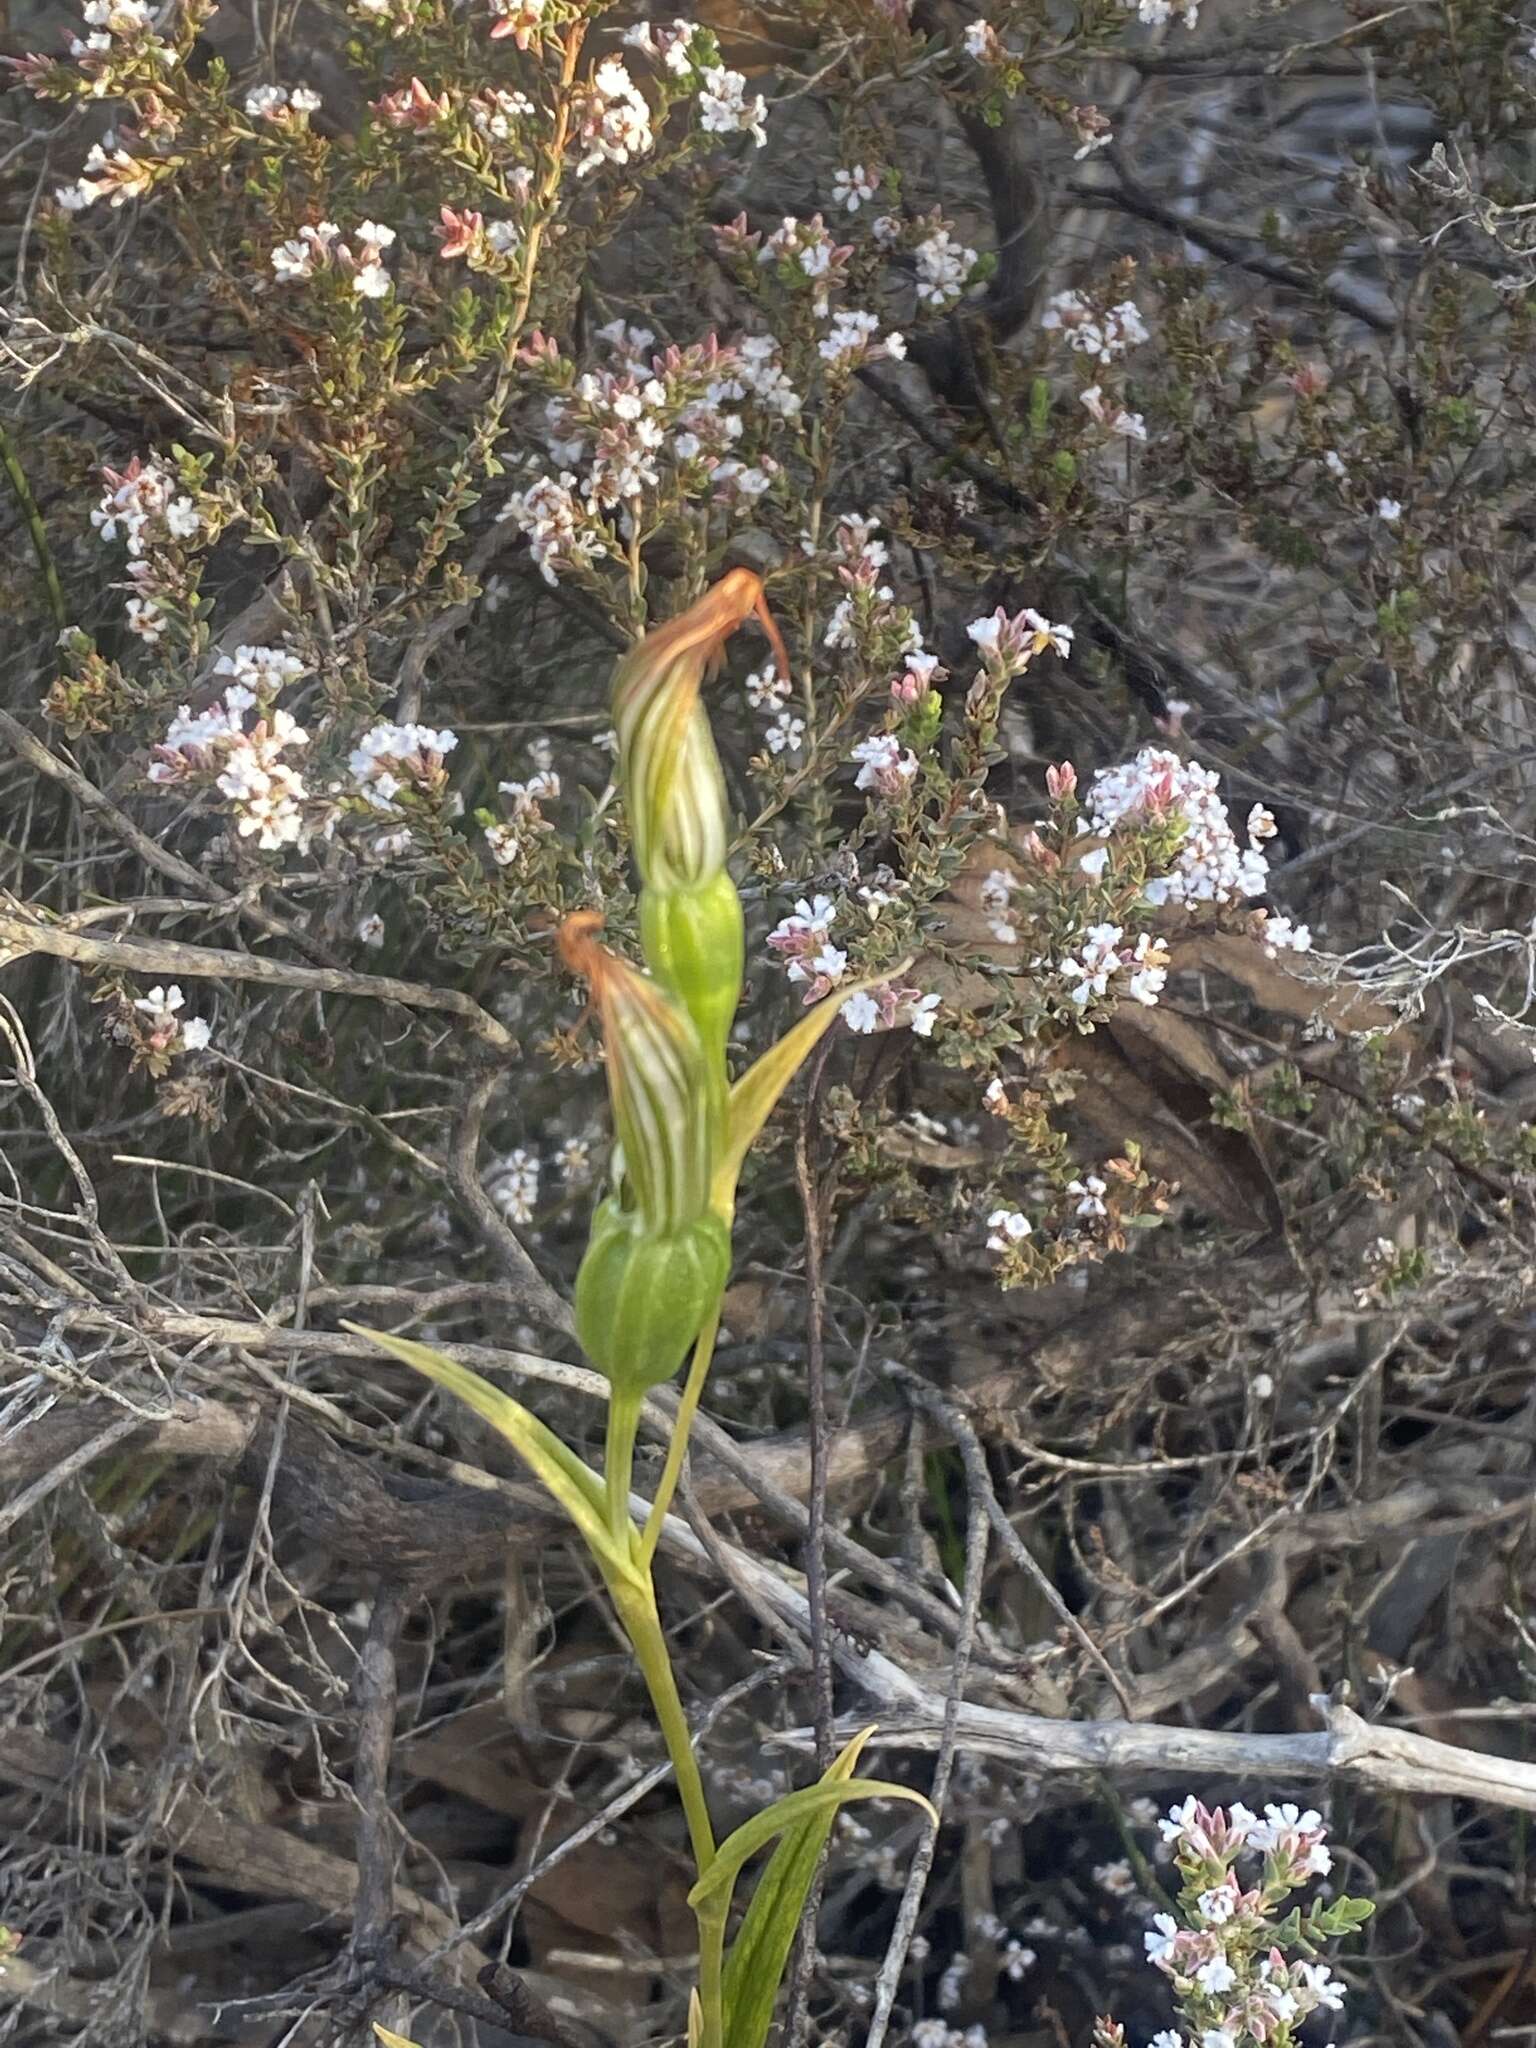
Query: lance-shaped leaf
(668,765)
(391,2040)
(754,1096)
(714,1888)
(554,1464)
(658,1081)
(755,1967)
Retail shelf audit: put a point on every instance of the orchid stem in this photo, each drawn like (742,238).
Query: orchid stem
(677,1449)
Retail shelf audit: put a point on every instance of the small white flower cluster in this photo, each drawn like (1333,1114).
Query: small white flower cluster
(111,173)
(557,523)
(1102,953)
(1006,1229)
(937,2033)
(615,123)
(1229,1973)
(1157,13)
(282,105)
(803,941)
(1157,788)
(870,607)
(144,505)
(851,342)
(1011,644)
(321,248)
(944,266)
(108,22)
(615,431)
(1130,426)
(725,109)
(982,43)
(1283,935)
(808,251)
(1104,333)
(513,1185)
(669,42)
(245,766)
(169,1030)
(389,759)
(885,765)
(509,837)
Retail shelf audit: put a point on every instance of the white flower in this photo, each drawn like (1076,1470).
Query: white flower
(1334,463)
(786,734)
(861,1013)
(1090,1193)
(1166,2039)
(195,1034)
(370,929)
(1216,1975)
(1389,510)
(514,1185)
(1103,336)
(943,268)
(372,281)
(853,186)
(1316,1981)
(724,108)
(923,1013)
(1281,935)
(161,1004)
(884,765)
(766,689)
(1158,788)
(293,260)
(573,1158)
(1160,1937)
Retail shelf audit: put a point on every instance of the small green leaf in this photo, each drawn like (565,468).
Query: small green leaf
(755,1967)
(577,1488)
(714,1888)
(753,1097)
(392,2040)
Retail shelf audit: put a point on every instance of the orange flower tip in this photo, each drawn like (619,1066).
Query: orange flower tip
(578,943)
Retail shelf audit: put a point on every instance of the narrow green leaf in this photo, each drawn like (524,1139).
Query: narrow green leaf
(391,2040)
(753,1097)
(736,1851)
(760,1952)
(574,1485)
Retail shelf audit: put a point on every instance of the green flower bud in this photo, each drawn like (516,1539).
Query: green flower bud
(642,1299)
(670,771)
(695,945)
(658,1083)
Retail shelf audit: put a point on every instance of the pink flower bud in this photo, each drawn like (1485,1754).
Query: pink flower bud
(1061,781)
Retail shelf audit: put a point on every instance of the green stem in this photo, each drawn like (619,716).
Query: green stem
(677,1449)
(711,1921)
(619,1464)
(22,491)
(634,1599)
